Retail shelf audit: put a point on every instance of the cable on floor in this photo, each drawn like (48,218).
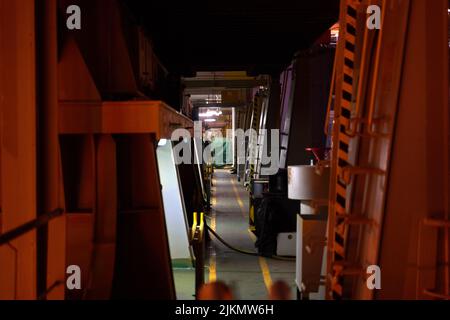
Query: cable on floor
(250,253)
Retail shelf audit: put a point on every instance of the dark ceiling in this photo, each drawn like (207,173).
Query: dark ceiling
(257,36)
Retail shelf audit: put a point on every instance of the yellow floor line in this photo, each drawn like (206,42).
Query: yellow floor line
(262,261)
(213,221)
(212,268)
(212,258)
(266,273)
(263,265)
(236,192)
(252,235)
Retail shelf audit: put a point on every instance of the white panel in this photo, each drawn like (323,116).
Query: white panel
(306,184)
(299,249)
(175,212)
(286,244)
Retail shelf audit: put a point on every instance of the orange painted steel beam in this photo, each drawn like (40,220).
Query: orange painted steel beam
(18,146)
(143,267)
(51,239)
(418,179)
(131,117)
(101,273)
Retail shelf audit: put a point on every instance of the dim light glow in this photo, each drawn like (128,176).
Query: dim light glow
(210,120)
(162,142)
(210,113)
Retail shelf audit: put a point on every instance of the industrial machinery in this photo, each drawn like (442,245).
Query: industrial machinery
(94,96)
(304,86)
(381,212)
(310,185)
(100,166)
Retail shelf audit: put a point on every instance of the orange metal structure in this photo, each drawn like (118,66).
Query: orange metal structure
(18,278)
(390,155)
(63,145)
(79,130)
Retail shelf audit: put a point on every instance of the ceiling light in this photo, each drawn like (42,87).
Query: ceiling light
(210,120)
(210,113)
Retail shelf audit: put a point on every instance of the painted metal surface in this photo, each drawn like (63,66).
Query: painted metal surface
(18,278)
(384,133)
(175,212)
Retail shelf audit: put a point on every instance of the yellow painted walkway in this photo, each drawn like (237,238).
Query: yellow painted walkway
(249,276)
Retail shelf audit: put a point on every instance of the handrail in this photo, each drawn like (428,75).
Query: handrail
(194,226)
(201,227)
(439,224)
(198,228)
(362,69)
(41,221)
(359,93)
(55,285)
(436,295)
(330,98)
(198,244)
(345,83)
(371,111)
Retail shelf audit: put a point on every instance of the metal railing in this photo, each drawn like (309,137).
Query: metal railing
(198,244)
(39,222)
(43,220)
(437,224)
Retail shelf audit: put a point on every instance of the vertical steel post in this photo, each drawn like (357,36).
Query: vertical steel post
(51,239)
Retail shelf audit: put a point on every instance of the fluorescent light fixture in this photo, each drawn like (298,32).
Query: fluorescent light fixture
(162,142)
(210,113)
(210,120)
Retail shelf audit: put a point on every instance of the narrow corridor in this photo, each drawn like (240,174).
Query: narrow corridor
(249,276)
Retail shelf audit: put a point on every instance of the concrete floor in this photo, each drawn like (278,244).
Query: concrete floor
(184,283)
(249,276)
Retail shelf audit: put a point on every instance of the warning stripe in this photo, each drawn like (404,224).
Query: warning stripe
(340,210)
(346,139)
(343,145)
(350,38)
(343,155)
(351,29)
(341,228)
(347,87)
(337,289)
(349,55)
(348,71)
(351,20)
(346,104)
(341,191)
(339,249)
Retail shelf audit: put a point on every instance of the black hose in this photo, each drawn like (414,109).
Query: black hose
(230,246)
(254,254)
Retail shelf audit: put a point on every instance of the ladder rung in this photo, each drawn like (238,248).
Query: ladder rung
(350,38)
(436,295)
(348,71)
(437,223)
(343,155)
(348,172)
(358,220)
(349,55)
(346,268)
(339,209)
(339,249)
(341,191)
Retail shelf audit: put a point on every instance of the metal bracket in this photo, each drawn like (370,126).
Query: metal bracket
(349,172)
